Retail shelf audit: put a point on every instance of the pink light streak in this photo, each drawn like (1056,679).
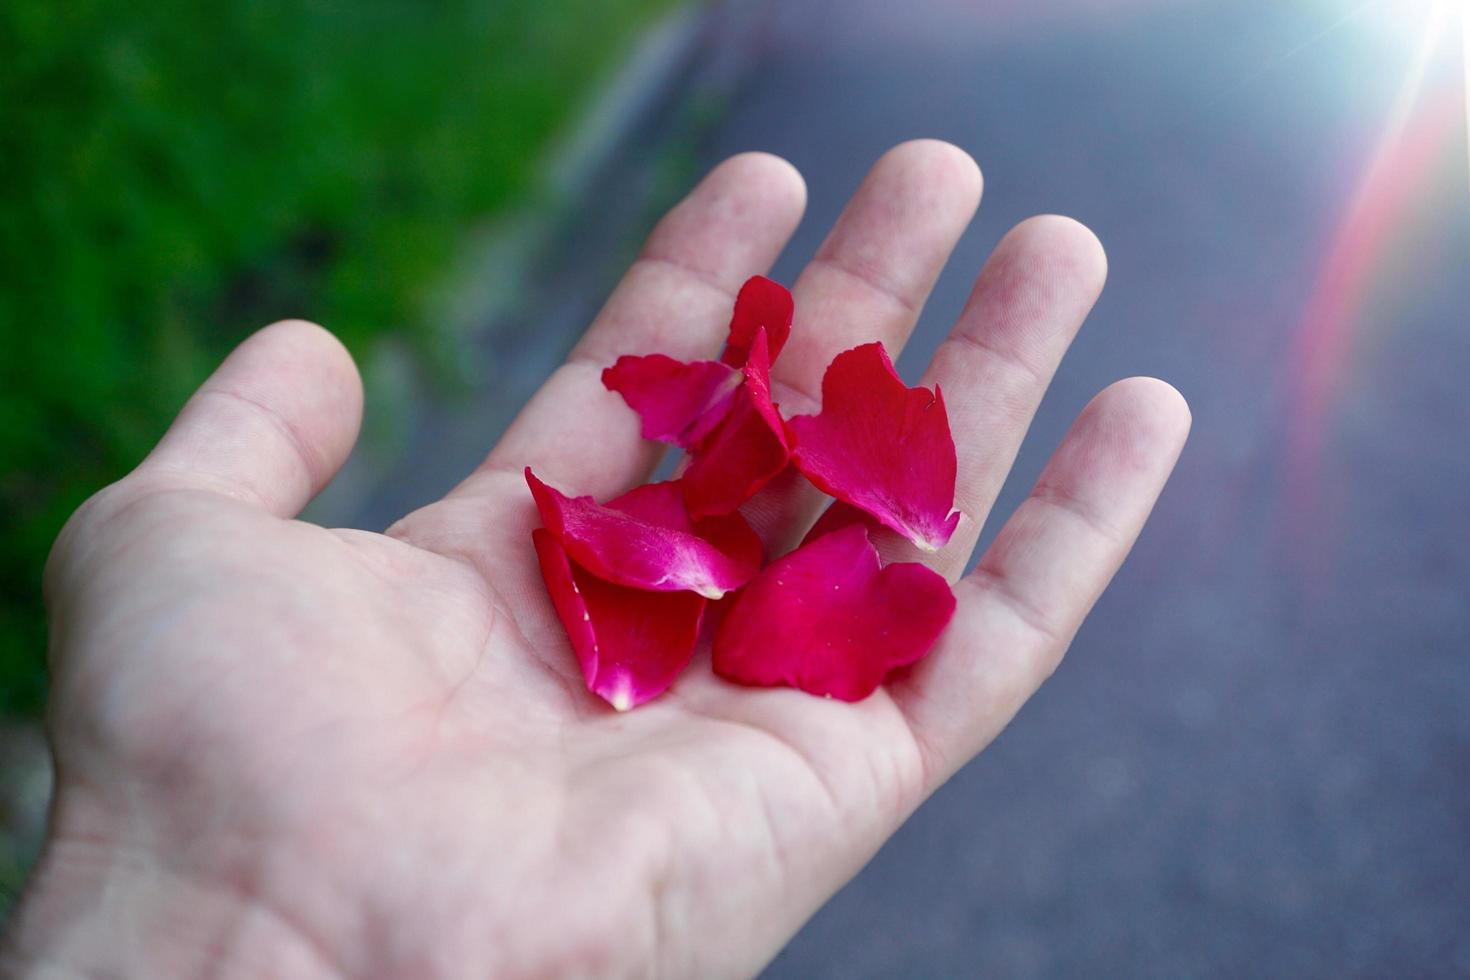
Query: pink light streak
(1465,61)
(1397,177)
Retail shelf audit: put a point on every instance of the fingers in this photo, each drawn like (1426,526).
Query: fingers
(870,278)
(1021,606)
(1026,307)
(868,281)
(271,426)
(676,299)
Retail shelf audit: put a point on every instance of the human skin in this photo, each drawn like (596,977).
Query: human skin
(286,750)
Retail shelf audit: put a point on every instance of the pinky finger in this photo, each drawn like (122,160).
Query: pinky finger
(1021,606)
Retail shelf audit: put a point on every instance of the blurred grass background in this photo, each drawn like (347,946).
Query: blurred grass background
(174,175)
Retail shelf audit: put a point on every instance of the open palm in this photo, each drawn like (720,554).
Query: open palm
(307,752)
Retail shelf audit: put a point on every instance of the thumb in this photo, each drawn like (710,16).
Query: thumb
(272,425)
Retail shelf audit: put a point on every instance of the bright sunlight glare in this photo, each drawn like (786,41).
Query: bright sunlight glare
(1408,21)
(1426,25)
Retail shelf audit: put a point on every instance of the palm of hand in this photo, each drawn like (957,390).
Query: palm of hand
(379,747)
(369,728)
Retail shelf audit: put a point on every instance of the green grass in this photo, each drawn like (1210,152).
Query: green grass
(175,174)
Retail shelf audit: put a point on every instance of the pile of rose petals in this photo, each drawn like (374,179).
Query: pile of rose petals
(632,578)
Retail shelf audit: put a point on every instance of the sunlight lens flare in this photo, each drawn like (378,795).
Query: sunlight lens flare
(1426,26)
(1418,134)
(1410,20)
(1465,61)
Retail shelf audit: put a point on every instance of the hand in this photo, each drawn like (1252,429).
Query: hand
(294,751)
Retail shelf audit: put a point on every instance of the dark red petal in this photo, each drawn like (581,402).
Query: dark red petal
(656,503)
(733,535)
(663,504)
(747,449)
(761,304)
(881,446)
(620,548)
(837,516)
(631,644)
(677,402)
(828,620)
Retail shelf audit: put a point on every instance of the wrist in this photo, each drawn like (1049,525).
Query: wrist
(94,909)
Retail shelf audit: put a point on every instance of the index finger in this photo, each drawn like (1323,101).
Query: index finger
(676,299)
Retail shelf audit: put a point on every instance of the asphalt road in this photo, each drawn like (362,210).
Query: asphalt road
(1255,759)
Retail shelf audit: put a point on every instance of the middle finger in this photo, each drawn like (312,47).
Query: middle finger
(868,281)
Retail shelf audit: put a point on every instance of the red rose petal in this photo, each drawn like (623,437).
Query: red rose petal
(663,504)
(837,516)
(625,550)
(761,305)
(676,402)
(733,535)
(829,620)
(881,446)
(656,503)
(747,449)
(631,644)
